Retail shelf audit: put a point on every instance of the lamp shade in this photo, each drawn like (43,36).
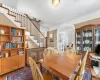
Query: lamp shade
(55,2)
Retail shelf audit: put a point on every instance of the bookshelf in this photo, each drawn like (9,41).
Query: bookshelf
(12,48)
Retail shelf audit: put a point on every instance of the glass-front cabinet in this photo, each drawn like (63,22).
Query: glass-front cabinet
(78,41)
(97,36)
(87,37)
(87,40)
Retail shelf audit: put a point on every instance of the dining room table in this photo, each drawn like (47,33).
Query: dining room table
(61,65)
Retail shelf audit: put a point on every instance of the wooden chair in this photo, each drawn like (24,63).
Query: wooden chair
(70,52)
(50,52)
(80,70)
(95,70)
(37,75)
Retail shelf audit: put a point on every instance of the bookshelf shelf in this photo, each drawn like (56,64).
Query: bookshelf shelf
(17,36)
(13,56)
(4,49)
(4,34)
(4,41)
(17,48)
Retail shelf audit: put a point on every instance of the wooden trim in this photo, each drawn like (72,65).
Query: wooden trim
(17,21)
(11,26)
(83,27)
(11,14)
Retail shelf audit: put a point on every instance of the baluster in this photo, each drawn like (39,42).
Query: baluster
(13,11)
(16,16)
(19,17)
(22,21)
(30,28)
(28,25)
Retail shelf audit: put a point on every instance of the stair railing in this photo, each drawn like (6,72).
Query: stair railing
(27,22)
(42,40)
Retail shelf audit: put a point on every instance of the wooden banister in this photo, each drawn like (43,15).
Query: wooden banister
(34,25)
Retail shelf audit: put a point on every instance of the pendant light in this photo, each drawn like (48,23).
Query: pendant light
(55,2)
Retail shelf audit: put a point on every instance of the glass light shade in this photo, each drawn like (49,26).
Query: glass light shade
(55,2)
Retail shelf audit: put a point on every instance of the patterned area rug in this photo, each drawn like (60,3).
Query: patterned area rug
(24,74)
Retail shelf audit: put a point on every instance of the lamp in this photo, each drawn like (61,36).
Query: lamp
(55,2)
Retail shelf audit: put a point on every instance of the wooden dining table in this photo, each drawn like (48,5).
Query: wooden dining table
(61,65)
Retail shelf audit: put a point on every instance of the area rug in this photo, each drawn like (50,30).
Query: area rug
(24,74)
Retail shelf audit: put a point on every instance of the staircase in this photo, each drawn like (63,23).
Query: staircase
(22,20)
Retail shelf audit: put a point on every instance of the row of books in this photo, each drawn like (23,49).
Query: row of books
(13,31)
(10,45)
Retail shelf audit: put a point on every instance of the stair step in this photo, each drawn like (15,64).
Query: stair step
(27,33)
(35,41)
(32,37)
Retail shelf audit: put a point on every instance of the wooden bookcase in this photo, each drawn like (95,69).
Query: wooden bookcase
(87,37)
(12,48)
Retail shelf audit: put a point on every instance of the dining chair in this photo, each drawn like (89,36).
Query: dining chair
(36,74)
(81,73)
(95,70)
(50,52)
(70,50)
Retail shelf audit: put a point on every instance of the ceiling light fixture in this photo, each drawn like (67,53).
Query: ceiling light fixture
(55,2)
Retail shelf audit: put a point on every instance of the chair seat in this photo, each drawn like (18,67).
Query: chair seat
(48,77)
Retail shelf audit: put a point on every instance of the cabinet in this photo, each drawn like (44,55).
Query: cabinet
(21,60)
(87,37)
(14,62)
(6,65)
(87,40)
(97,36)
(12,48)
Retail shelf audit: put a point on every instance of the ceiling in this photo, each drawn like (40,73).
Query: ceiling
(47,13)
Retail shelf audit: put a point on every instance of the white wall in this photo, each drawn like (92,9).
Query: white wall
(71,36)
(87,17)
(68,35)
(10,3)
(44,30)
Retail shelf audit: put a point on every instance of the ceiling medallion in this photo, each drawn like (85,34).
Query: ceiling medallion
(55,2)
